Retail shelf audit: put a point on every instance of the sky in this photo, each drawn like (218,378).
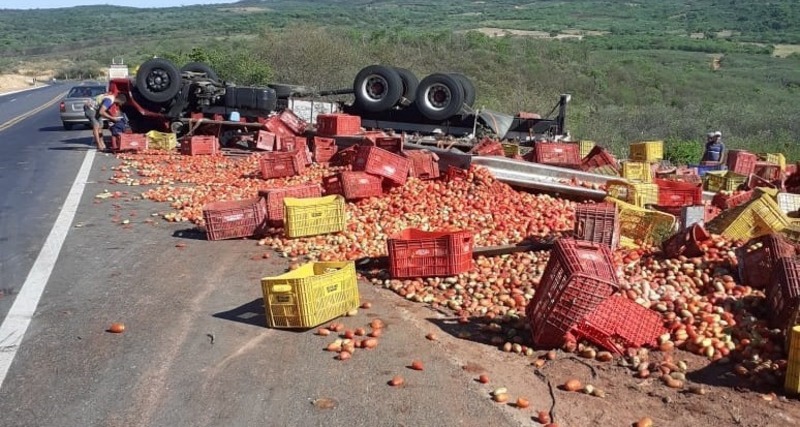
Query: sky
(50,4)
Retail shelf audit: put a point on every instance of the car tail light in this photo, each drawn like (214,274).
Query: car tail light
(62,107)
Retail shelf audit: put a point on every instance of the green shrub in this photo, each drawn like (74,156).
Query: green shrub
(682,152)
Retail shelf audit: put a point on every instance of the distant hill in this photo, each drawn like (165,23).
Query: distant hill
(77,30)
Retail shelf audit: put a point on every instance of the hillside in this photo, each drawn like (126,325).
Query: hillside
(636,69)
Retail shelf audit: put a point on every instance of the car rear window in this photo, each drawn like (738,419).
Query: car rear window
(86,91)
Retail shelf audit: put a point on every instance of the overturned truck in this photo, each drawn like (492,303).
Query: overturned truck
(185,100)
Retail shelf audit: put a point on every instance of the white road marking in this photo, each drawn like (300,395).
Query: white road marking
(19,317)
(13,99)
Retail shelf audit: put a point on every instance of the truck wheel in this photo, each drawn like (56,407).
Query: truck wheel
(199,67)
(158,80)
(439,96)
(469,88)
(377,88)
(410,84)
(287,91)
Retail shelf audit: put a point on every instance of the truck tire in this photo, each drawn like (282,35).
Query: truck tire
(410,84)
(439,96)
(67,126)
(199,67)
(377,88)
(469,88)
(287,91)
(158,80)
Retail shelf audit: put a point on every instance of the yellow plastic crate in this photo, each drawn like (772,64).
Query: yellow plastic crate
(313,216)
(792,383)
(758,217)
(310,295)
(585,147)
(637,171)
(636,193)
(606,170)
(640,226)
(644,194)
(647,151)
(722,180)
(510,149)
(620,190)
(772,192)
(777,158)
(161,141)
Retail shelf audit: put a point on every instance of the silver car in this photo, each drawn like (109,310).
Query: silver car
(71,106)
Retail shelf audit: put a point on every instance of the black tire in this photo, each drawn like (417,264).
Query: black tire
(199,67)
(410,85)
(67,126)
(440,96)
(286,91)
(377,88)
(158,80)
(469,88)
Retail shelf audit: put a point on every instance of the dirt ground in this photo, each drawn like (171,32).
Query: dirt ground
(12,82)
(728,400)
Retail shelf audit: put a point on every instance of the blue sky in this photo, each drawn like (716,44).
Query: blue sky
(49,4)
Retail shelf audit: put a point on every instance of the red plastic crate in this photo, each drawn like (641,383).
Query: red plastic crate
(618,319)
(234,219)
(273,198)
(577,278)
(338,124)
(686,242)
(278,164)
(353,185)
(345,157)
(599,157)
(557,154)
(726,201)
(415,253)
(200,145)
(129,142)
(370,137)
(783,293)
(294,123)
(768,171)
(321,142)
(488,147)
(324,155)
(424,165)
(392,144)
(673,193)
(454,173)
(378,161)
(598,223)
(742,162)
(298,143)
(276,126)
(268,141)
(754,181)
(758,257)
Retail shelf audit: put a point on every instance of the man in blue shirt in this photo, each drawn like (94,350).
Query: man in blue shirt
(714,148)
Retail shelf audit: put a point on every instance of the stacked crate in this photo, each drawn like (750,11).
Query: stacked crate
(578,277)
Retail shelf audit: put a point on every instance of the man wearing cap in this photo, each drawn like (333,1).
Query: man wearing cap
(714,148)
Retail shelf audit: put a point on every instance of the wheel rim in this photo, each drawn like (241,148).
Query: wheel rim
(158,80)
(374,88)
(438,97)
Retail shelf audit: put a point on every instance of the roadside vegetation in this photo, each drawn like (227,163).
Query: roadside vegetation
(640,71)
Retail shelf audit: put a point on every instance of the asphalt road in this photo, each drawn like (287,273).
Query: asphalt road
(195,351)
